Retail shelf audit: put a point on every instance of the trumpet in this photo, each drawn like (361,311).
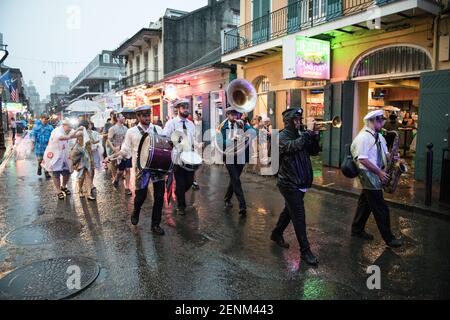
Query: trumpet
(336,122)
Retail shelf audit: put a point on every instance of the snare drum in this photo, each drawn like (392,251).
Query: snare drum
(190,160)
(155,154)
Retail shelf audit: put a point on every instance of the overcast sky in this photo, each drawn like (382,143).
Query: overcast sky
(45,37)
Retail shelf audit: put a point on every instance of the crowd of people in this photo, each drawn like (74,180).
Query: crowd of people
(63,149)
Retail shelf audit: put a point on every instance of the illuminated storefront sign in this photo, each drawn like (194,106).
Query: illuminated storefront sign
(306,58)
(15,107)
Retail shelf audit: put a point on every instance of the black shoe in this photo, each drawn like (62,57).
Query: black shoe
(243,211)
(158,230)
(363,235)
(116,183)
(395,243)
(181,211)
(39,171)
(195,186)
(47,175)
(279,240)
(228,205)
(310,258)
(135,218)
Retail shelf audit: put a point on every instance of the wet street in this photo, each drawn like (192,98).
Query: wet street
(211,253)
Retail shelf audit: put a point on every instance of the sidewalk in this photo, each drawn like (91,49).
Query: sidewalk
(6,153)
(410,193)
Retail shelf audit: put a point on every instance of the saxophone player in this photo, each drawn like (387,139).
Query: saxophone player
(370,152)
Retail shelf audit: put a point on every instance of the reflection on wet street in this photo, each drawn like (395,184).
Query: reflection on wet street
(215,254)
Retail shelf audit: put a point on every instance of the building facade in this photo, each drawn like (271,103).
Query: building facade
(179,57)
(344,58)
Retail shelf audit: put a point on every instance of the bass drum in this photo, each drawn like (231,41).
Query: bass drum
(191,160)
(155,154)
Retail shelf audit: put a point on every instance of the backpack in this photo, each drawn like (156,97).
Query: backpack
(348,166)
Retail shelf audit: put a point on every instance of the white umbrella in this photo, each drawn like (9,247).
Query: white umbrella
(99,119)
(86,106)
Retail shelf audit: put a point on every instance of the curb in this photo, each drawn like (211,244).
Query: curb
(429,211)
(7,155)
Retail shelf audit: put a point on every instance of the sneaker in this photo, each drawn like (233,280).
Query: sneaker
(158,230)
(309,258)
(228,205)
(128,192)
(279,240)
(134,219)
(195,186)
(395,243)
(243,211)
(47,175)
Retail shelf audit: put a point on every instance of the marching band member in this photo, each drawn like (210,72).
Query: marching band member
(235,164)
(184,177)
(295,177)
(143,177)
(370,151)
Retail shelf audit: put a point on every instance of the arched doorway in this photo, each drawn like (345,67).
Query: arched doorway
(388,78)
(262,86)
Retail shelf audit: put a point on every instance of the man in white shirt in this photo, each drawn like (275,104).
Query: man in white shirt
(143,177)
(371,153)
(184,177)
(116,136)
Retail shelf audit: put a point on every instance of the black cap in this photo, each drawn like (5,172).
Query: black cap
(292,113)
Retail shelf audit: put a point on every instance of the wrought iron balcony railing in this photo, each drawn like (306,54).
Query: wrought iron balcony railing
(141,77)
(298,16)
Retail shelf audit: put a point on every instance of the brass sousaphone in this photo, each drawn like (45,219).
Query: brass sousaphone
(241,97)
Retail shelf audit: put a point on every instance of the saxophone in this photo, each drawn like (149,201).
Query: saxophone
(394,168)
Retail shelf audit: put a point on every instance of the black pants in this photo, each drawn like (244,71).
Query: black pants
(158,201)
(184,180)
(373,201)
(235,186)
(294,210)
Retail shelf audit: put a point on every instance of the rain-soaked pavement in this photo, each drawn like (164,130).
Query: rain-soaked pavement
(213,254)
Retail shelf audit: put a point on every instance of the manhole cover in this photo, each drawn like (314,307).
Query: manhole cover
(44,232)
(51,279)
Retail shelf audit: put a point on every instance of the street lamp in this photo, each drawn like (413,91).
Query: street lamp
(3,55)
(2,134)
(3,52)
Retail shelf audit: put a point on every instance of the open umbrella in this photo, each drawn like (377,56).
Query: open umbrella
(99,119)
(85,106)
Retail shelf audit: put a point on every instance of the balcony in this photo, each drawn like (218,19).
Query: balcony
(142,77)
(312,17)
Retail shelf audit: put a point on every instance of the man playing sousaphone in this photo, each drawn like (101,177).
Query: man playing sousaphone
(371,153)
(144,177)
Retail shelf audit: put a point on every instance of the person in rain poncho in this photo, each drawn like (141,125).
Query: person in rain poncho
(57,159)
(40,135)
(86,156)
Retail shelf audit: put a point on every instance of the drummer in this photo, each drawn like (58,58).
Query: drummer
(184,177)
(143,177)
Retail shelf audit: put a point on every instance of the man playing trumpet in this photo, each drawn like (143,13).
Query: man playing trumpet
(295,177)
